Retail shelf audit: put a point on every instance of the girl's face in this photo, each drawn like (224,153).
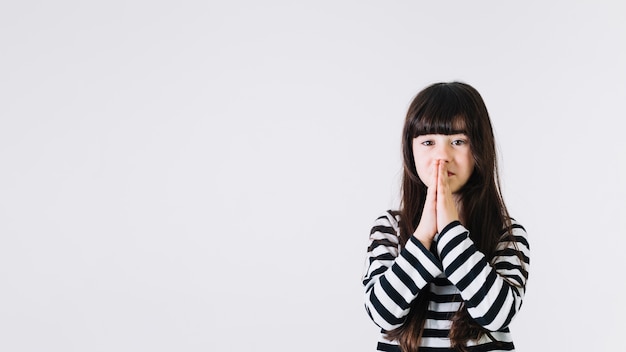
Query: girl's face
(453,149)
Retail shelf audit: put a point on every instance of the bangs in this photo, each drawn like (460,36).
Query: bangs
(438,124)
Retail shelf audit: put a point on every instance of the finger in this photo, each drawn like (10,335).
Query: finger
(431,191)
(446,208)
(435,176)
(442,179)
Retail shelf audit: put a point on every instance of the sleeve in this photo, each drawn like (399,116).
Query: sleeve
(494,291)
(393,278)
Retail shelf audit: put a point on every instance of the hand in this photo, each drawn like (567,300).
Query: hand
(446,206)
(427,227)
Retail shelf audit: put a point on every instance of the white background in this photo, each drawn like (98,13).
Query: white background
(203,176)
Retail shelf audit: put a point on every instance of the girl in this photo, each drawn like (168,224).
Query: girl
(448,271)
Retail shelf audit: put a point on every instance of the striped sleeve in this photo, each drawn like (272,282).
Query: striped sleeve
(493,291)
(392,278)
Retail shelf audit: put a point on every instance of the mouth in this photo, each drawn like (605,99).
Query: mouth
(450,173)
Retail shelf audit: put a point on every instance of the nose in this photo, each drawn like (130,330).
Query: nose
(442,152)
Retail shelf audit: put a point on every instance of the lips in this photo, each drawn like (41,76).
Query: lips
(450,173)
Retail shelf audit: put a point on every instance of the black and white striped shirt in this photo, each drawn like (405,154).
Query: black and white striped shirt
(455,271)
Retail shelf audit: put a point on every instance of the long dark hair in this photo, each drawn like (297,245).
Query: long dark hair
(446,108)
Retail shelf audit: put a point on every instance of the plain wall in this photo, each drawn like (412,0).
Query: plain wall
(203,176)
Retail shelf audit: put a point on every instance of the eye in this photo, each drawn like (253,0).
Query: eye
(459,142)
(427,143)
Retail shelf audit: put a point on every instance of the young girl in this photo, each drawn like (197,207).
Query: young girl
(448,271)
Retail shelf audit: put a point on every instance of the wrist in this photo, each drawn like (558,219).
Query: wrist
(424,238)
(449,226)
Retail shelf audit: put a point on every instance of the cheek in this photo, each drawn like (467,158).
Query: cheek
(470,162)
(472,167)
(423,171)
(423,167)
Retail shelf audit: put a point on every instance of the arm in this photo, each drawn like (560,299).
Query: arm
(494,291)
(393,278)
